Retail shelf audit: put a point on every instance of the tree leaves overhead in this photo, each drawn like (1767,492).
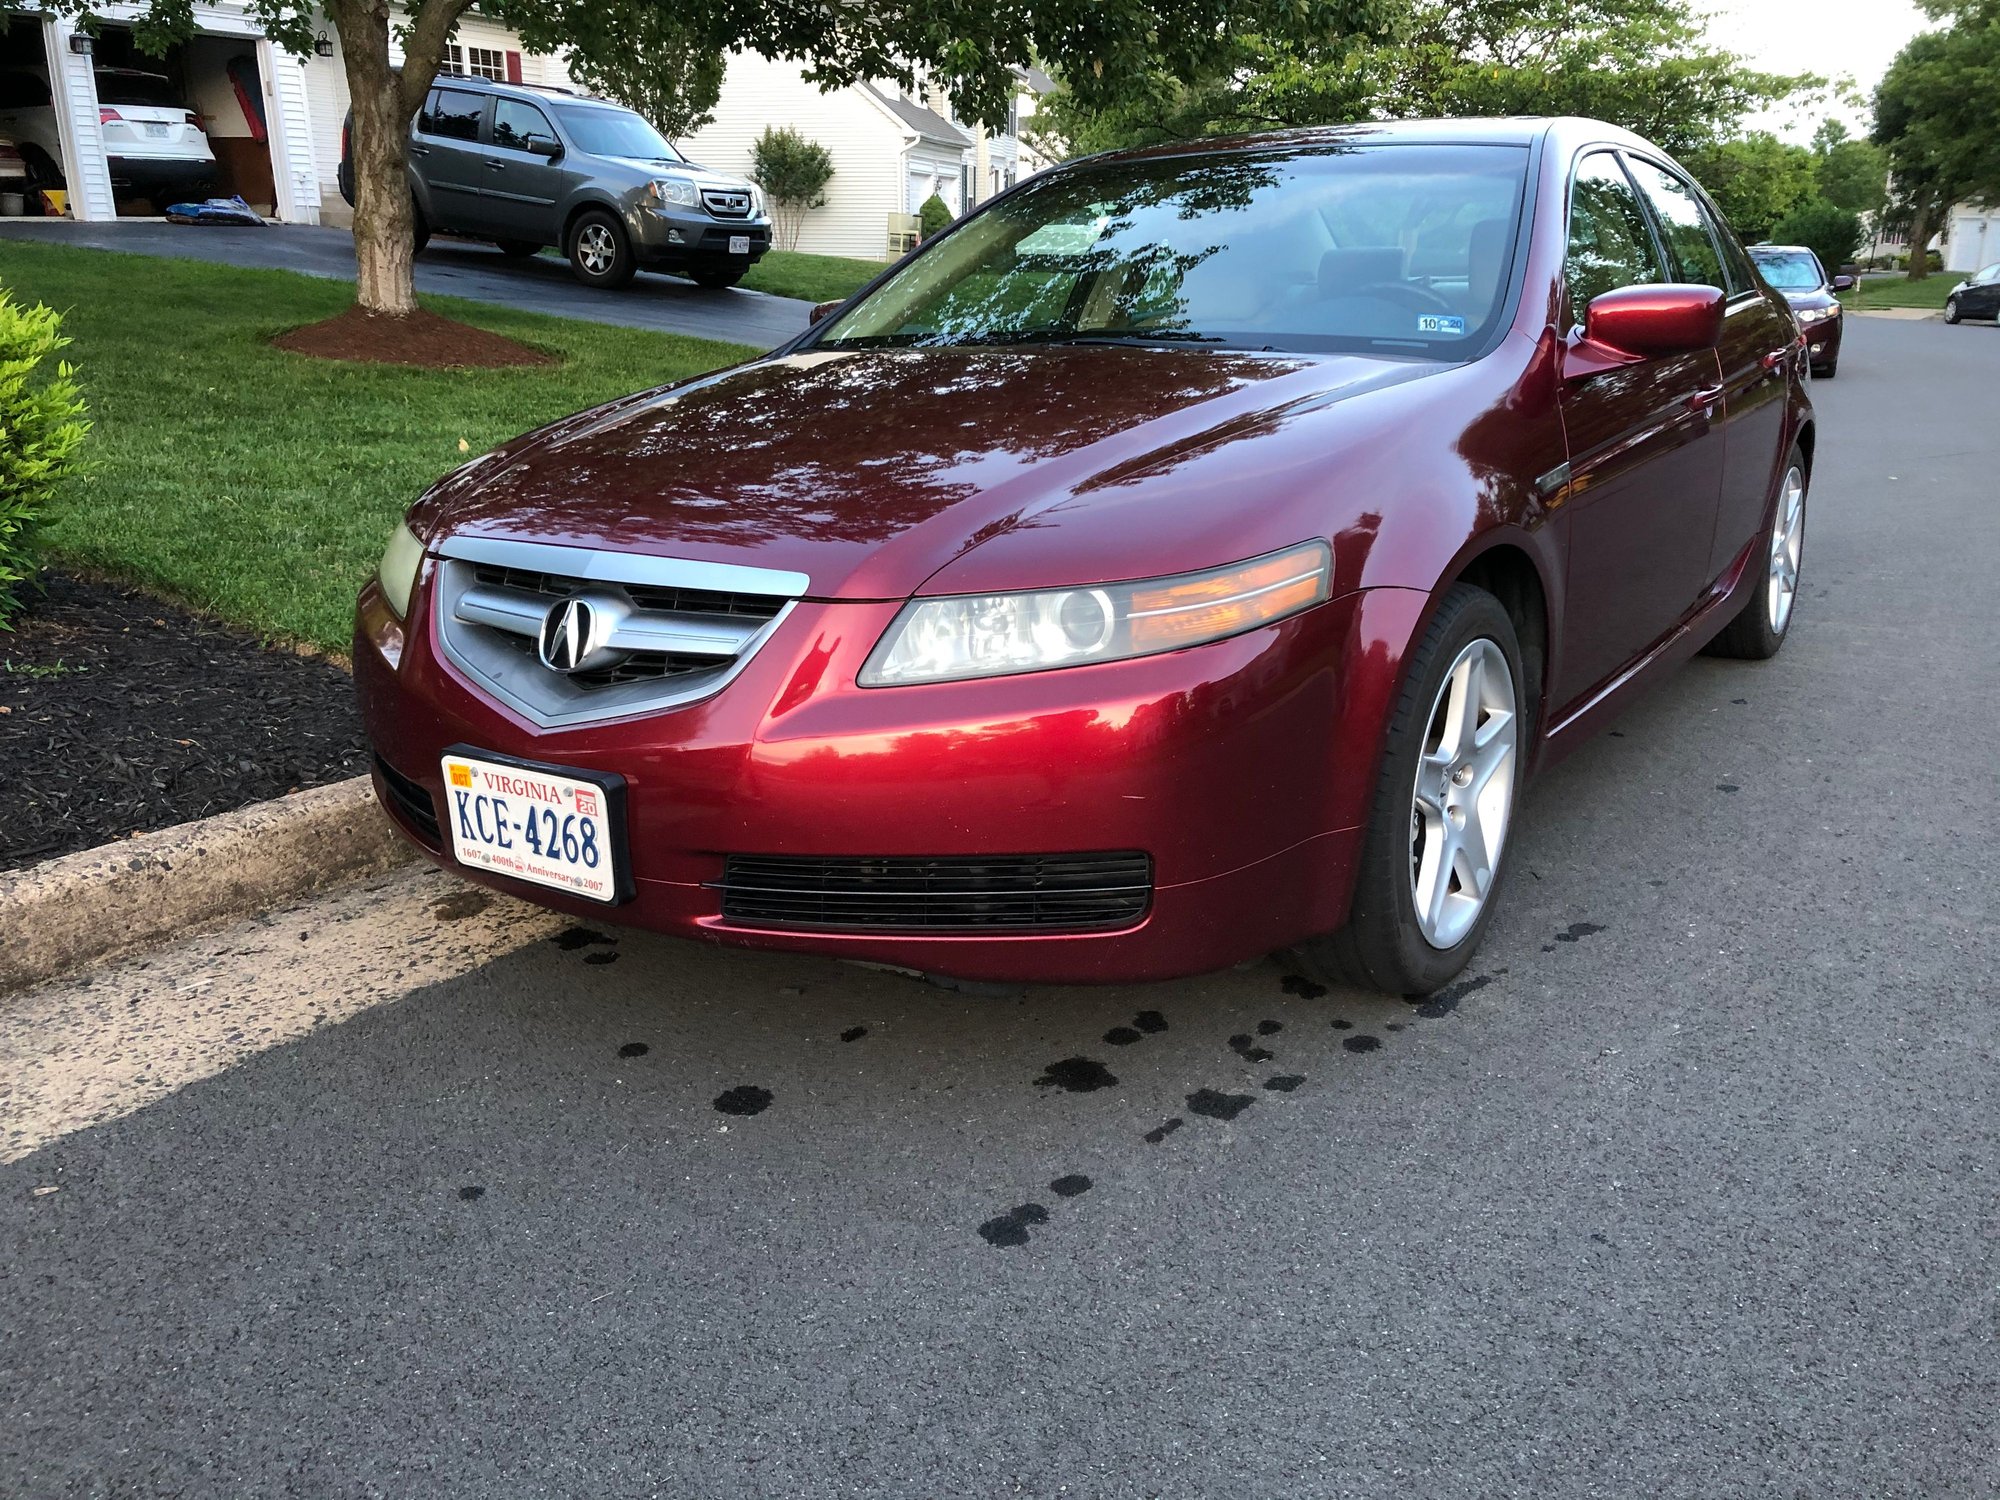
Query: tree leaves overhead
(1640,63)
(1937,115)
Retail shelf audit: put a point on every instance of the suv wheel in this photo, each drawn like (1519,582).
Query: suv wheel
(717,275)
(599,254)
(1951,312)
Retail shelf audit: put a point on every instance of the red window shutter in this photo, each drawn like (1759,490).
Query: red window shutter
(513,67)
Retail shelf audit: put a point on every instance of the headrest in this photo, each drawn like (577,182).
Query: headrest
(1343,270)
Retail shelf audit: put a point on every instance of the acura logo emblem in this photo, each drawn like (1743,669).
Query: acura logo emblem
(566,636)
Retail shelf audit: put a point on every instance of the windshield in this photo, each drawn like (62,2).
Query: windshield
(614,132)
(1792,270)
(1346,247)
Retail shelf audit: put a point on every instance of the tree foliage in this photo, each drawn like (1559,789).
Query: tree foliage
(1755,179)
(793,172)
(1832,233)
(1937,119)
(1644,64)
(652,62)
(935,215)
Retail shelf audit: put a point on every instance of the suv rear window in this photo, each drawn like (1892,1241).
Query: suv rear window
(141,90)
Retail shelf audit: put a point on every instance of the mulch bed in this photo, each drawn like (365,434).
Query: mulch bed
(423,339)
(120,713)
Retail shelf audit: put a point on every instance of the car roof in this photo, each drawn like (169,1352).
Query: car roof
(1781,249)
(448,79)
(1498,130)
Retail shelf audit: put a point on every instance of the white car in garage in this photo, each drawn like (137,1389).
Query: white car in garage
(154,144)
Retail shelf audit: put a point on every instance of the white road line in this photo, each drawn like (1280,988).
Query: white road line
(90,1048)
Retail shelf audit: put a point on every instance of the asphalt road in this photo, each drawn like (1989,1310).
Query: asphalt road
(456,268)
(1688,1190)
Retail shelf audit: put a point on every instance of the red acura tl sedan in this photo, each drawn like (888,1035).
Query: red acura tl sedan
(1187,555)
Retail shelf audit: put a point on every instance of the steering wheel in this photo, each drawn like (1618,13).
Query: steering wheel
(1408,293)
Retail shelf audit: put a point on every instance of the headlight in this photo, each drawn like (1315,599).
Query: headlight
(756,201)
(994,635)
(397,572)
(679,190)
(1818,314)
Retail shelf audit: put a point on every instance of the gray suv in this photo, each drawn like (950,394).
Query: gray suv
(527,167)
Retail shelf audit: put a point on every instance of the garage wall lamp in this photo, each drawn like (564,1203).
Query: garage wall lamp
(322,47)
(79,44)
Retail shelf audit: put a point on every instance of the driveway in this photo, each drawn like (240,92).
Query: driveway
(1690,1188)
(457,268)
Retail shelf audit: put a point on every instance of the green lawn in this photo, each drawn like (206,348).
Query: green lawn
(816,278)
(261,485)
(1902,292)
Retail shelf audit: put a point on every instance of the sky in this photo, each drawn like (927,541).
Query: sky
(1833,38)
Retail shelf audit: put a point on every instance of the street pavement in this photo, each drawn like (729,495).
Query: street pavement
(1688,1189)
(449,267)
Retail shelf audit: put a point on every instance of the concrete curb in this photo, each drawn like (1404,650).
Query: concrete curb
(120,898)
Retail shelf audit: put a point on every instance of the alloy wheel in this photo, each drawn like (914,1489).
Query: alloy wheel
(596,249)
(1464,794)
(1788,537)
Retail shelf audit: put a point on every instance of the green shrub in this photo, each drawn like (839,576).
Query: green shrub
(936,215)
(1833,234)
(793,172)
(41,435)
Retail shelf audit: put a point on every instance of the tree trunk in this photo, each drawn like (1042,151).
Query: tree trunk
(1920,238)
(377,144)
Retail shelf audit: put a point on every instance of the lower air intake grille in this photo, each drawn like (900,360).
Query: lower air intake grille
(1012,893)
(411,803)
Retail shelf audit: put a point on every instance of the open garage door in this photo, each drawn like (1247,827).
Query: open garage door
(35,139)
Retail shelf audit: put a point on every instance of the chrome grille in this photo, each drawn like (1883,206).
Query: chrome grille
(726,203)
(663,632)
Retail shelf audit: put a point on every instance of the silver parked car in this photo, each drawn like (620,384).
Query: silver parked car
(527,167)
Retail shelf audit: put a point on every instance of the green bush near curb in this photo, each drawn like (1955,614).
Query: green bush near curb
(42,428)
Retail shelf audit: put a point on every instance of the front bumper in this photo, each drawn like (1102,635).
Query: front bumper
(1241,767)
(1823,339)
(681,235)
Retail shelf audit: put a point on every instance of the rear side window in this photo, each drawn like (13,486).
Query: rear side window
(1683,225)
(23,91)
(452,113)
(1610,244)
(519,126)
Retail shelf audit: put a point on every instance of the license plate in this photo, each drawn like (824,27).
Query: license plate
(157,132)
(739,244)
(561,829)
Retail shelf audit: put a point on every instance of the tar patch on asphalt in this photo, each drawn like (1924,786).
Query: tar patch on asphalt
(1213,1104)
(600,958)
(744,1099)
(1284,1083)
(1011,1228)
(634,1049)
(1304,988)
(1161,1131)
(1070,1186)
(1076,1075)
(460,905)
(1361,1043)
(1242,1046)
(471,1193)
(854,1033)
(572,938)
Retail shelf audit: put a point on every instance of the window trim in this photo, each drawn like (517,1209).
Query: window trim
(478,137)
(1711,220)
(493,123)
(1617,155)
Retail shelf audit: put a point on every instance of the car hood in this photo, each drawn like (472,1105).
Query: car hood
(660,167)
(871,471)
(1805,301)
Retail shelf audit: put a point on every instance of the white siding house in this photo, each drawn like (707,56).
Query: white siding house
(889,154)
(1971,237)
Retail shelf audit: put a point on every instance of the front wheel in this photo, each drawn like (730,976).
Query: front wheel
(718,275)
(1951,312)
(1432,860)
(1759,630)
(599,253)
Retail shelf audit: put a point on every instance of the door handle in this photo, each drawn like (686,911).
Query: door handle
(1703,401)
(1774,360)
(496,166)
(416,150)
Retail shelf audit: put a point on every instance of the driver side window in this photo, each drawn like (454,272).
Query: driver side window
(1610,243)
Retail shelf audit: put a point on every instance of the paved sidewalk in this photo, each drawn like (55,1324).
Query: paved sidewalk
(456,268)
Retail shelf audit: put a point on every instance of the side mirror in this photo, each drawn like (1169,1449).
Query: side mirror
(819,313)
(1650,321)
(1843,283)
(553,150)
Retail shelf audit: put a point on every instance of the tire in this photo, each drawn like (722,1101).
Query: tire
(1760,627)
(599,253)
(420,230)
(718,276)
(1951,312)
(518,249)
(1387,944)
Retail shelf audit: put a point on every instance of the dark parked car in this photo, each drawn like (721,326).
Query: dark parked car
(1797,275)
(1185,556)
(526,168)
(1978,296)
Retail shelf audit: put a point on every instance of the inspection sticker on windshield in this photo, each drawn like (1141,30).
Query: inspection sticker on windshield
(561,829)
(1440,323)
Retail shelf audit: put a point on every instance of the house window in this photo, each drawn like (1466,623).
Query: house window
(480,62)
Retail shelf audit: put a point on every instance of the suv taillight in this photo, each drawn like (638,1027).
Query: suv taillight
(195,120)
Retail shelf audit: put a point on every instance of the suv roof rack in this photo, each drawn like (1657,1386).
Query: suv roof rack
(459,75)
